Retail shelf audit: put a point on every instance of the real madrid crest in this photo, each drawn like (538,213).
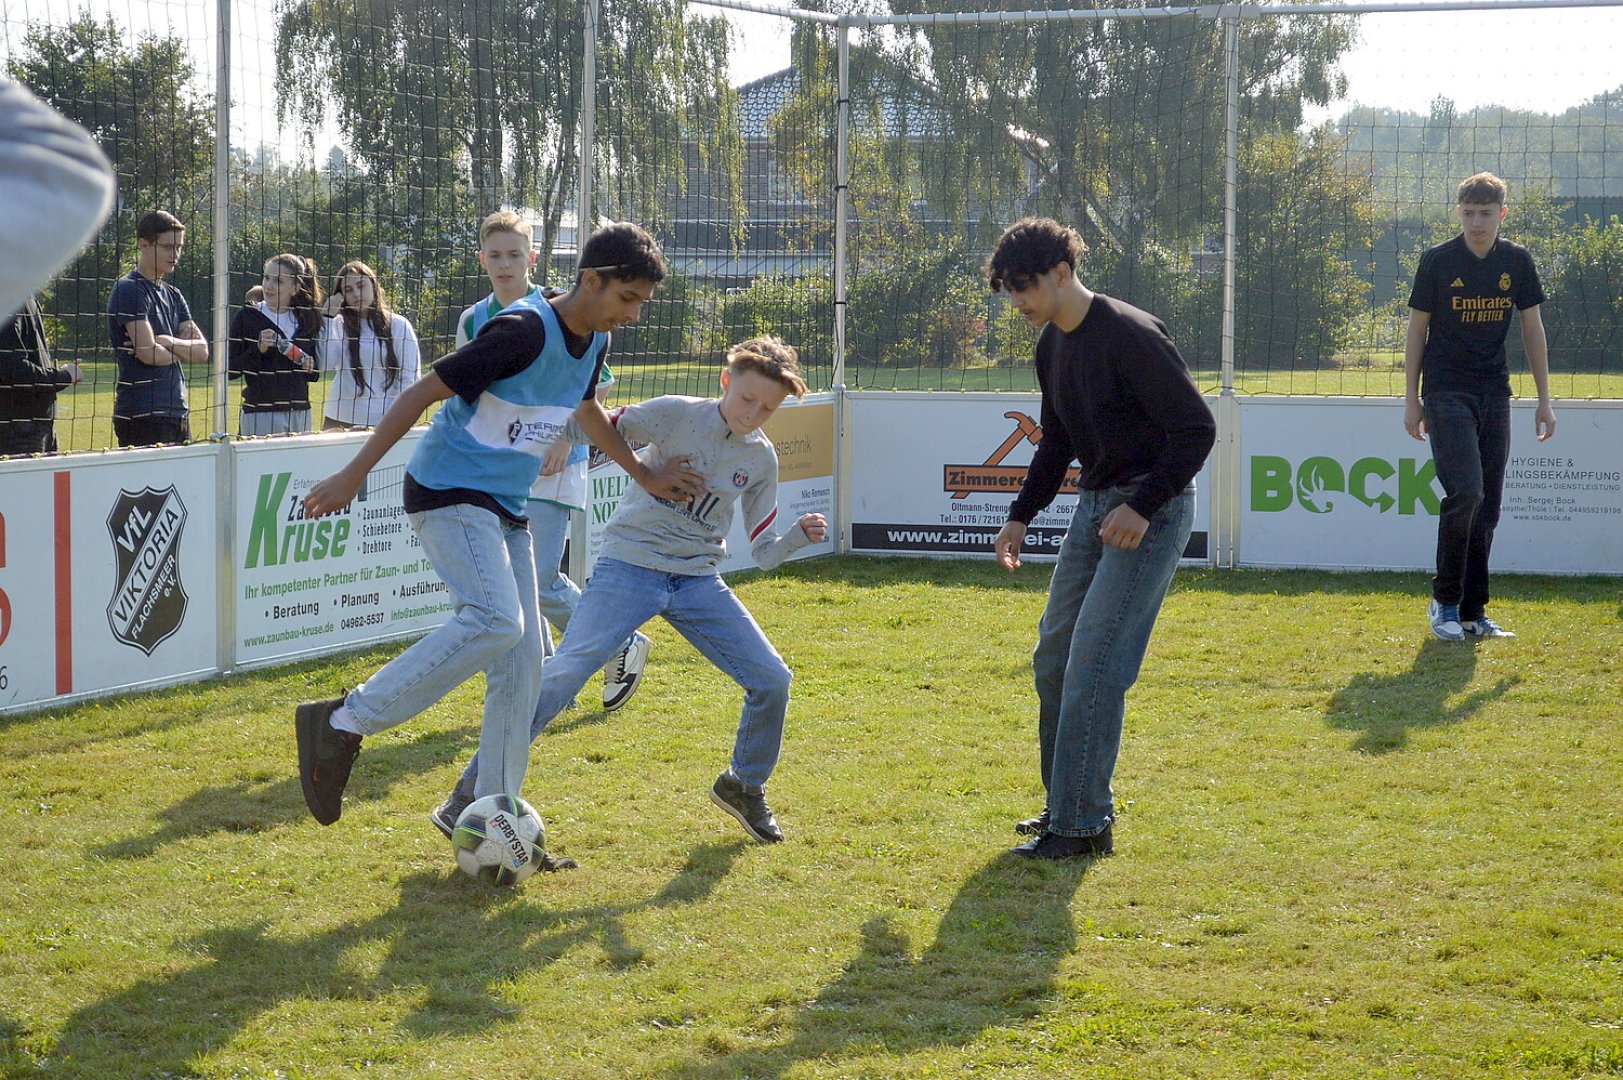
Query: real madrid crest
(1504,282)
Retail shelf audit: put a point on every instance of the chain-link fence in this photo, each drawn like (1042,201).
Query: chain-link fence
(1281,149)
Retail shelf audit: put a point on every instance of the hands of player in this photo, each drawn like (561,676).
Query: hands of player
(673,481)
(72,368)
(1414,420)
(1544,421)
(333,493)
(267,339)
(1007,545)
(1123,528)
(815,526)
(556,457)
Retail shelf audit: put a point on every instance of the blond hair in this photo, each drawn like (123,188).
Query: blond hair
(506,221)
(770,356)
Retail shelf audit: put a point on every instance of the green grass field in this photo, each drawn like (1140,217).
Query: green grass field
(1344,850)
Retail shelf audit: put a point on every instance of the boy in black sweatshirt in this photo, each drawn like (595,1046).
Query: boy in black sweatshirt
(1118,400)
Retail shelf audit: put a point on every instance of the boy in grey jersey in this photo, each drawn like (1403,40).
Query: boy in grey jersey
(660,557)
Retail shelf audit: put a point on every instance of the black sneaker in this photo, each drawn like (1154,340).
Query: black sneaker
(444,816)
(1033,826)
(1053,846)
(325,757)
(748,805)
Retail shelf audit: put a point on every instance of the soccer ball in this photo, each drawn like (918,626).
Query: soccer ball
(499,839)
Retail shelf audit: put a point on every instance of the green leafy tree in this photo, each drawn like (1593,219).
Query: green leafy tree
(461,108)
(1586,315)
(1302,209)
(141,101)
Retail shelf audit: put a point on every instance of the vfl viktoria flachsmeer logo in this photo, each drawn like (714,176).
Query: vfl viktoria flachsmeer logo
(149,602)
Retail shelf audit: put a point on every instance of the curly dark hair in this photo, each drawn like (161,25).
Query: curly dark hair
(625,252)
(1029,248)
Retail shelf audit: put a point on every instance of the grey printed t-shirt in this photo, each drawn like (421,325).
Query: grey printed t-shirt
(690,537)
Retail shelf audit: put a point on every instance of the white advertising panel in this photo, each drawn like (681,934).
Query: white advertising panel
(935,474)
(1338,484)
(109,573)
(802,432)
(349,578)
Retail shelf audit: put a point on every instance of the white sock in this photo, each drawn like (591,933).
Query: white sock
(344,720)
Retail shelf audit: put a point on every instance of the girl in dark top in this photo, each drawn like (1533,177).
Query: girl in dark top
(274,348)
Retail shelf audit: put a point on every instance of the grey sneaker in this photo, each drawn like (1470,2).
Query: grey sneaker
(444,816)
(326,756)
(1484,627)
(1445,621)
(748,805)
(623,674)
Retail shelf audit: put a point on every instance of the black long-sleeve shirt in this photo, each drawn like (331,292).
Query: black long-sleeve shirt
(1118,400)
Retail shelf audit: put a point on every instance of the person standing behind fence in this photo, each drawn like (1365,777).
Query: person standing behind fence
(275,348)
(153,334)
(1457,390)
(1117,399)
(29,383)
(372,349)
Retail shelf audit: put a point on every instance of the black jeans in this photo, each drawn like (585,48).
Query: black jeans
(1470,445)
(27,437)
(151,430)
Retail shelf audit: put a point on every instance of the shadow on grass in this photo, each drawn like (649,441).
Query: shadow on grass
(169,1025)
(1385,708)
(247,807)
(993,960)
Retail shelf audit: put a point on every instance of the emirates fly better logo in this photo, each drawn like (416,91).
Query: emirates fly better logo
(149,602)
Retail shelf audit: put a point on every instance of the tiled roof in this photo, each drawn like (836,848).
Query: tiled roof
(905,107)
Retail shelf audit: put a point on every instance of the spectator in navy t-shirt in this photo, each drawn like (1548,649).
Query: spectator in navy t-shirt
(153,334)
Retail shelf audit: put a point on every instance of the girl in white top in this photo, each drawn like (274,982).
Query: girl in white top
(373,350)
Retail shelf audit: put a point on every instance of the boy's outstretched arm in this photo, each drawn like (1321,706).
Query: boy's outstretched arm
(673,481)
(336,491)
(771,550)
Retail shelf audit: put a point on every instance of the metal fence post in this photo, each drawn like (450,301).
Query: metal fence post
(579,530)
(1224,500)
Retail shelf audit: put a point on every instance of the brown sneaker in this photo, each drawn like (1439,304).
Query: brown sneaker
(325,757)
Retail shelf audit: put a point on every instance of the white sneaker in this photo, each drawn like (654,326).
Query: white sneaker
(1445,621)
(1484,627)
(623,674)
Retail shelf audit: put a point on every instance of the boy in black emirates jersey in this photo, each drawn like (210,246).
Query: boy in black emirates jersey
(1457,391)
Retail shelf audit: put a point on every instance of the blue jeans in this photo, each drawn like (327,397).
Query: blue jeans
(620,598)
(1102,605)
(549,530)
(1470,445)
(489,572)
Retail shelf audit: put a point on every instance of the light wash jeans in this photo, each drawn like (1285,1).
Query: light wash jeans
(620,598)
(275,422)
(495,627)
(560,596)
(1102,605)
